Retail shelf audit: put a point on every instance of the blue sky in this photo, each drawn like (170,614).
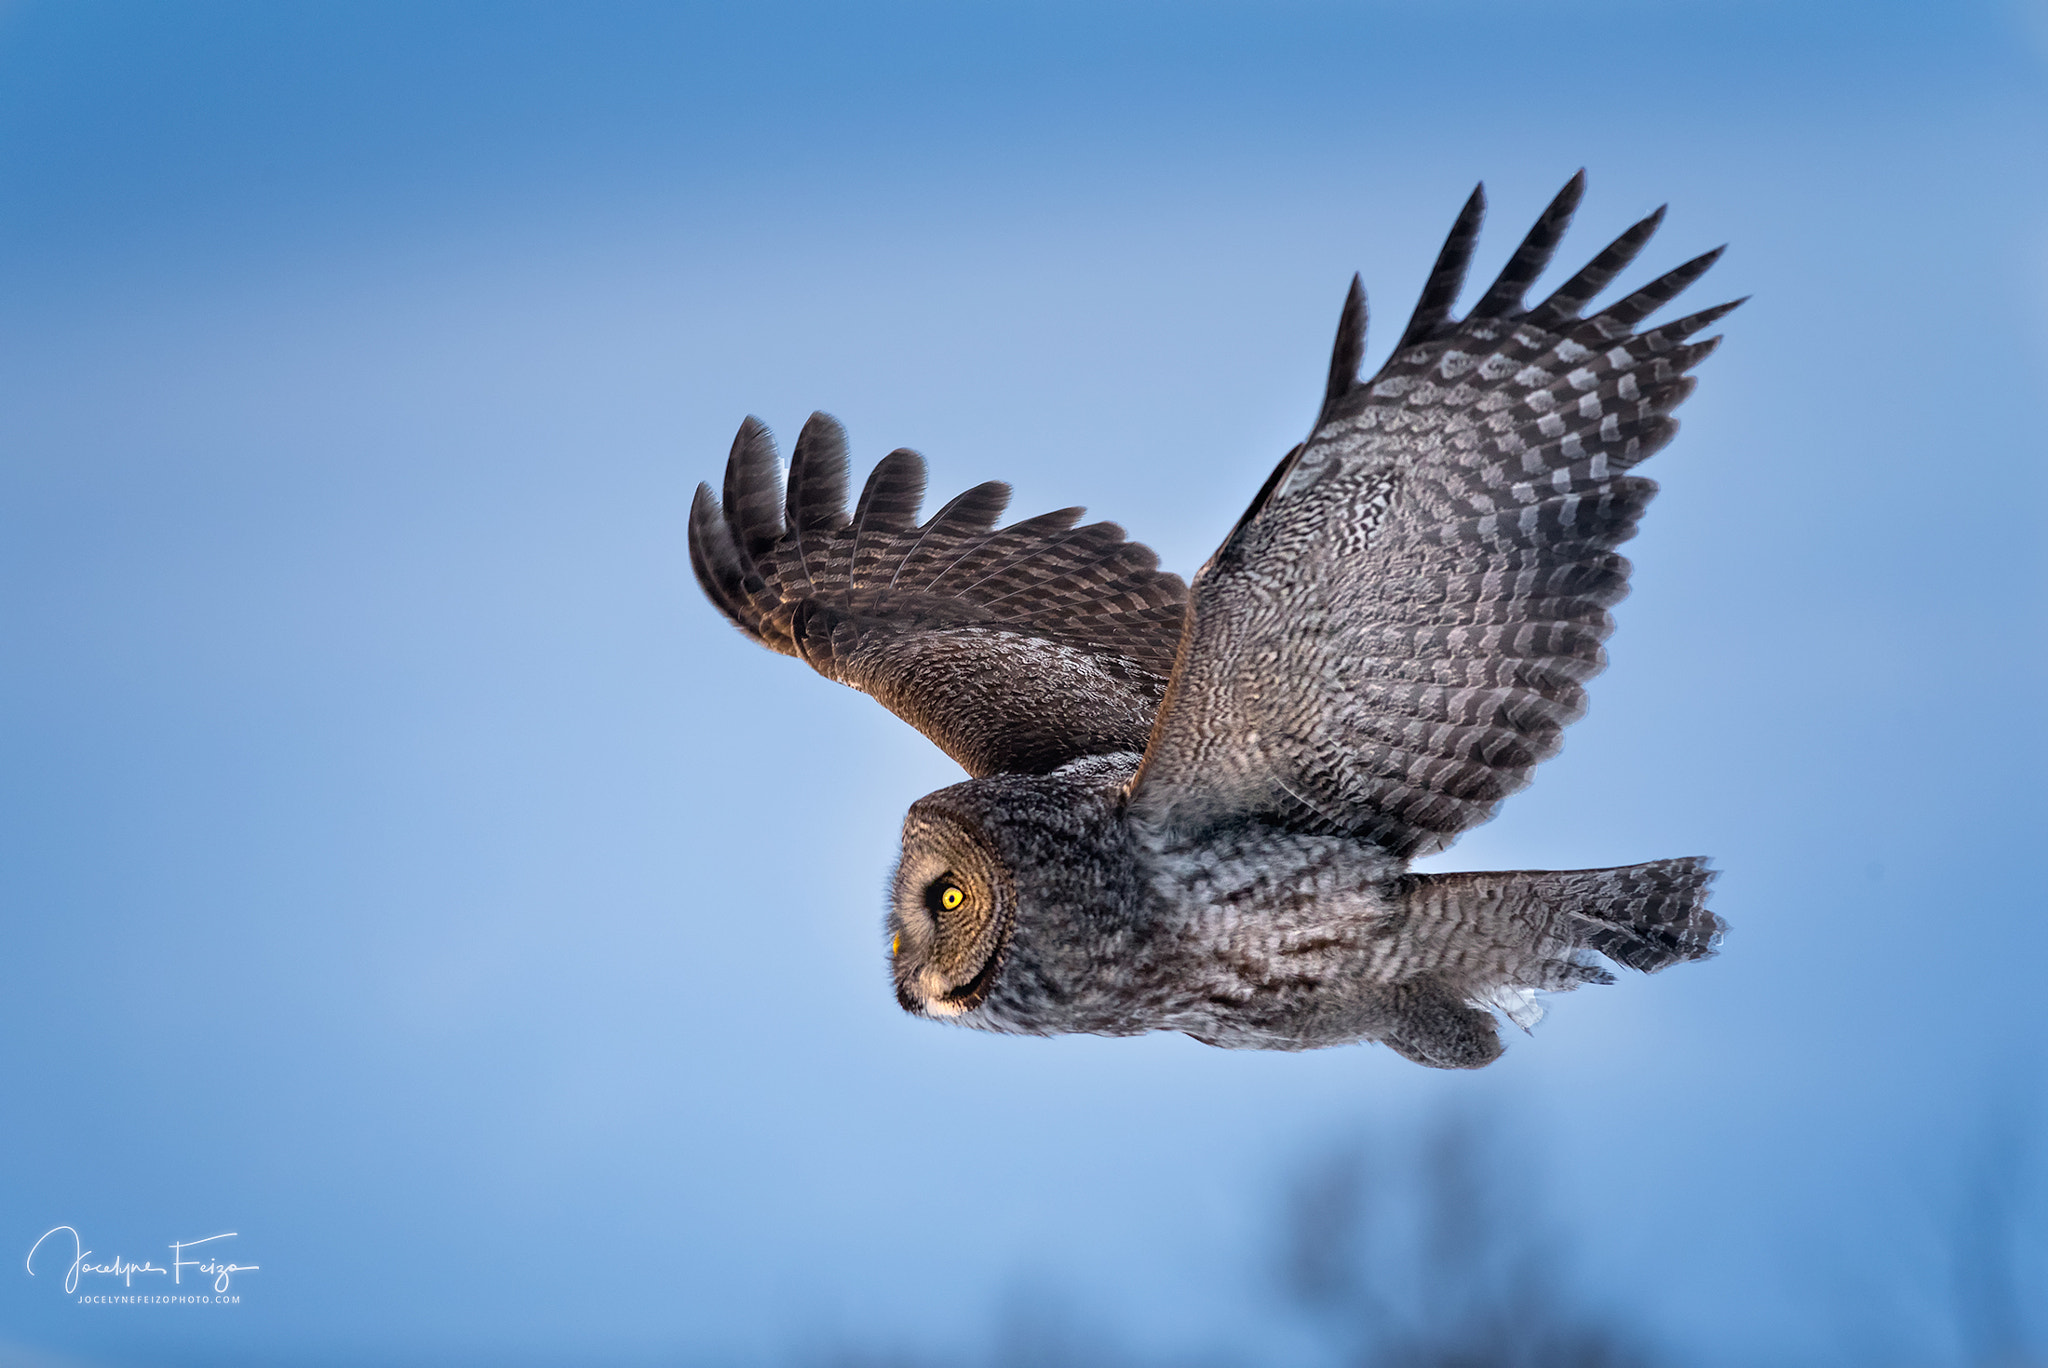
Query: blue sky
(402,866)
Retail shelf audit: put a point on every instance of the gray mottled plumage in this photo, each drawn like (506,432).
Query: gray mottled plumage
(1194,810)
(1016,650)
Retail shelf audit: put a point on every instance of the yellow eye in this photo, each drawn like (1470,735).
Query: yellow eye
(895,945)
(951,898)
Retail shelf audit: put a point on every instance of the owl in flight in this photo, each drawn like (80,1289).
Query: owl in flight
(1193,808)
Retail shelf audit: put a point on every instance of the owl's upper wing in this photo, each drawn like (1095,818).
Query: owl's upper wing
(1015,649)
(1401,625)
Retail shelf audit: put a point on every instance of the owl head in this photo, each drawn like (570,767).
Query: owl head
(952,907)
(1004,888)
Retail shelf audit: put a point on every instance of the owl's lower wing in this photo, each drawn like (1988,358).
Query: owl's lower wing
(1015,649)
(1402,624)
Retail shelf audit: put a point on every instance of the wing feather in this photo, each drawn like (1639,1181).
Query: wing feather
(1015,649)
(1403,623)
(964,520)
(1447,277)
(753,493)
(1534,254)
(1564,304)
(1347,355)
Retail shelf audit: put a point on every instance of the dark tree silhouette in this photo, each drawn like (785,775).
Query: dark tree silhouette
(1436,1258)
(1997,1313)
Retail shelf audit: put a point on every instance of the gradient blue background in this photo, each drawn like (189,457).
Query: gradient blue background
(403,866)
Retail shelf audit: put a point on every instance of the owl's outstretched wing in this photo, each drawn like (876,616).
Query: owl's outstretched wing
(1015,649)
(1402,624)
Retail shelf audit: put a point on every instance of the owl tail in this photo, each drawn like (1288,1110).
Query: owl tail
(1645,916)
(1542,926)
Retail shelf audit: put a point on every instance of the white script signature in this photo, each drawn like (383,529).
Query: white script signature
(126,1269)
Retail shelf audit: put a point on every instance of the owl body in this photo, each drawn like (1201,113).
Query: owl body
(1247,935)
(1194,807)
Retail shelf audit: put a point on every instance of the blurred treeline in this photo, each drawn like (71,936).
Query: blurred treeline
(1436,1249)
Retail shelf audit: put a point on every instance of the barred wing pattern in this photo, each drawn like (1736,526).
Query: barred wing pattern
(1402,624)
(1015,649)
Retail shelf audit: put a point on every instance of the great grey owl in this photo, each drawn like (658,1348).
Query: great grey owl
(1194,809)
